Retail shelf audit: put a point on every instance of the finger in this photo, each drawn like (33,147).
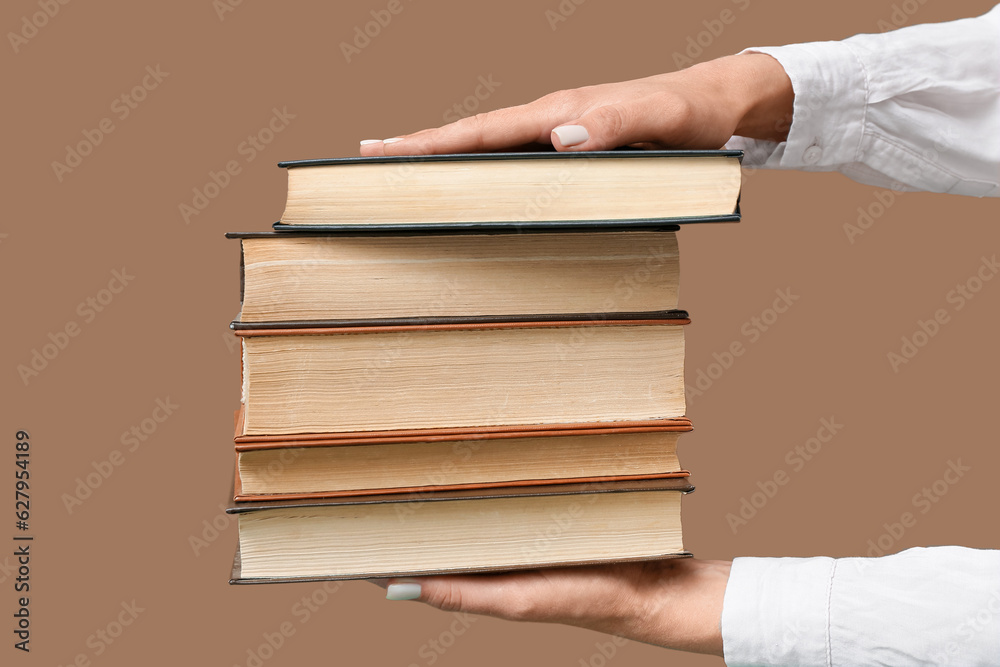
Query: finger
(611,126)
(503,595)
(371,148)
(564,595)
(493,131)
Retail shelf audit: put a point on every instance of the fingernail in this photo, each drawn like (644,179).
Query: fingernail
(365,142)
(402,592)
(571,135)
(392,140)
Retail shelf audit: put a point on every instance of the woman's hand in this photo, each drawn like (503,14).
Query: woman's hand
(676,603)
(699,107)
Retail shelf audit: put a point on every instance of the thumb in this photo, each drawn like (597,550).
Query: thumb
(577,595)
(501,595)
(605,128)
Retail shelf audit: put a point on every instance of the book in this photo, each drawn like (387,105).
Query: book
(521,191)
(477,530)
(298,469)
(363,378)
(467,363)
(318,277)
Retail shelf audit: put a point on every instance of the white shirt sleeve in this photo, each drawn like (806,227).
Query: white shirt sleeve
(933,607)
(912,109)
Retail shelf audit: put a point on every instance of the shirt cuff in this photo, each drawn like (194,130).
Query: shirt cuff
(776,611)
(828,114)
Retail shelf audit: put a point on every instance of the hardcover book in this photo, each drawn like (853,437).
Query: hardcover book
(350,465)
(347,379)
(606,190)
(318,277)
(477,530)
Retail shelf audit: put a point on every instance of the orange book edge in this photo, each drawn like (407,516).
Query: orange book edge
(239,496)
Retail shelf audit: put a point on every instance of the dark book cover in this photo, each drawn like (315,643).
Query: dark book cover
(469,322)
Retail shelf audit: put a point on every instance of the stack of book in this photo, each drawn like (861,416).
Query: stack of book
(467,363)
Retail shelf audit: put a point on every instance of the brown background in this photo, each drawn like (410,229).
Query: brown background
(165,335)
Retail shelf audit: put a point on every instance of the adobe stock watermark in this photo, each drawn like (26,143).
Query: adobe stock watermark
(901,14)
(604,652)
(883,199)
(536,205)
(132,440)
(391,349)
(546,537)
(365,34)
(699,42)
(211,529)
(121,107)
(562,12)
(302,610)
(868,215)
(32,23)
(981,620)
(910,167)
(276,468)
(796,458)
(485,87)
(461,452)
(41,357)
(922,502)
(247,151)
(549,536)
(225,7)
(752,330)
(232,342)
(793,630)
(434,648)
(957,298)
(654,259)
(7,569)
(104,637)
